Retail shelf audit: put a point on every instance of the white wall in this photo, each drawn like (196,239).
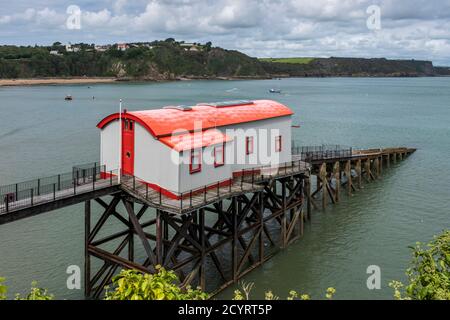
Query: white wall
(264,133)
(209,174)
(109,146)
(153,162)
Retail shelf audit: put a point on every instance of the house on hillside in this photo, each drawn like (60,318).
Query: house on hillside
(180,148)
(190,47)
(122,46)
(70,48)
(102,48)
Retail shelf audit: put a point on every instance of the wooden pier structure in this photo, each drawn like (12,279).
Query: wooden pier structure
(220,232)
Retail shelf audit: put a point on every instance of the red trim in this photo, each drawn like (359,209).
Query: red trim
(199,169)
(106,175)
(186,195)
(278,144)
(219,164)
(163,122)
(249,145)
(128,146)
(129,116)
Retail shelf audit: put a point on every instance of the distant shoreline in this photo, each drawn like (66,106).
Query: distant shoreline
(100,80)
(53,81)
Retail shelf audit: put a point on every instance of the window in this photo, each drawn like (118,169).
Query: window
(219,155)
(249,145)
(278,144)
(196,161)
(131,125)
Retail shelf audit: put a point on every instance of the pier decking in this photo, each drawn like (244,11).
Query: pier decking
(246,219)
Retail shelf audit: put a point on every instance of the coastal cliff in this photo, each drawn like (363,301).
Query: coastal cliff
(172,60)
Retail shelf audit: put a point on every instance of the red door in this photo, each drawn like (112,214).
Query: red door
(128,147)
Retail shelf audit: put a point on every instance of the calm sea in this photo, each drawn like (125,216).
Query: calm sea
(41,134)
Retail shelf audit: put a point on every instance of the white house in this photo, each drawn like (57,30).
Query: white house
(122,46)
(178,149)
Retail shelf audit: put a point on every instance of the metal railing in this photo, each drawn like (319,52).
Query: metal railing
(82,179)
(324,152)
(246,180)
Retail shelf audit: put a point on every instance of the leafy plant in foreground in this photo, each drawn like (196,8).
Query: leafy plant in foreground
(429,273)
(245,290)
(163,285)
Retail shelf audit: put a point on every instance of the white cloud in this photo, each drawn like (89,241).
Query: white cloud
(410,28)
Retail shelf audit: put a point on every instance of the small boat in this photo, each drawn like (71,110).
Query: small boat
(68,97)
(275,91)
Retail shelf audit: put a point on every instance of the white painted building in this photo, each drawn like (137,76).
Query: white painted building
(178,149)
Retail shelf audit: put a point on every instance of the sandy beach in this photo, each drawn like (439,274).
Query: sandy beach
(53,81)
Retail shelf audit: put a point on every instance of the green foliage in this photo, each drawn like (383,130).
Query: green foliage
(244,293)
(163,285)
(166,60)
(3,289)
(429,273)
(36,294)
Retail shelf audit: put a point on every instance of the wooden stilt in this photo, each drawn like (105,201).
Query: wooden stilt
(87,257)
(359,172)
(348,174)
(323,178)
(337,177)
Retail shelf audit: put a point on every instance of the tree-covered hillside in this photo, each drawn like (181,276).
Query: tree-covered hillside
(170,59)
(159,60)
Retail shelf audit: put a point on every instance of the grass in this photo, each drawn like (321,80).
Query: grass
(289,60)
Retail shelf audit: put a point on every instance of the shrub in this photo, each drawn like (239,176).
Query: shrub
(429,273)
(163,285)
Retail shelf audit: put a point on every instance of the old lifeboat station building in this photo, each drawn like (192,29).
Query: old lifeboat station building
(180,148)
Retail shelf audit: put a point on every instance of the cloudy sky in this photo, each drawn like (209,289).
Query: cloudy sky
(417,29)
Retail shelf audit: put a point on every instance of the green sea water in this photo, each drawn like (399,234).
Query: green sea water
(41,134)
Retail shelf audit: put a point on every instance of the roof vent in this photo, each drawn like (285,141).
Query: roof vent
(179,108)
(226,104)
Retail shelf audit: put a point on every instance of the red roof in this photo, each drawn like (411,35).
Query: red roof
(195,140)
(164,122)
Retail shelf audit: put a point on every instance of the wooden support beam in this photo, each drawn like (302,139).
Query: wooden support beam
(87,257)
(359,173)
(348,174)
(308,197)
(104,217)
(283,216)
(202,238)
(323,180)
(234,249)
(337,177)
(261,226)
(376,164)
(159,238)
(140,232)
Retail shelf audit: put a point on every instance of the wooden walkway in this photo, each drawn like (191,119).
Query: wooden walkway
(36,204)
(368,163)
(249,181)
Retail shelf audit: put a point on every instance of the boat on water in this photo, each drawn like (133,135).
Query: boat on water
(68,97)
(275,91)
